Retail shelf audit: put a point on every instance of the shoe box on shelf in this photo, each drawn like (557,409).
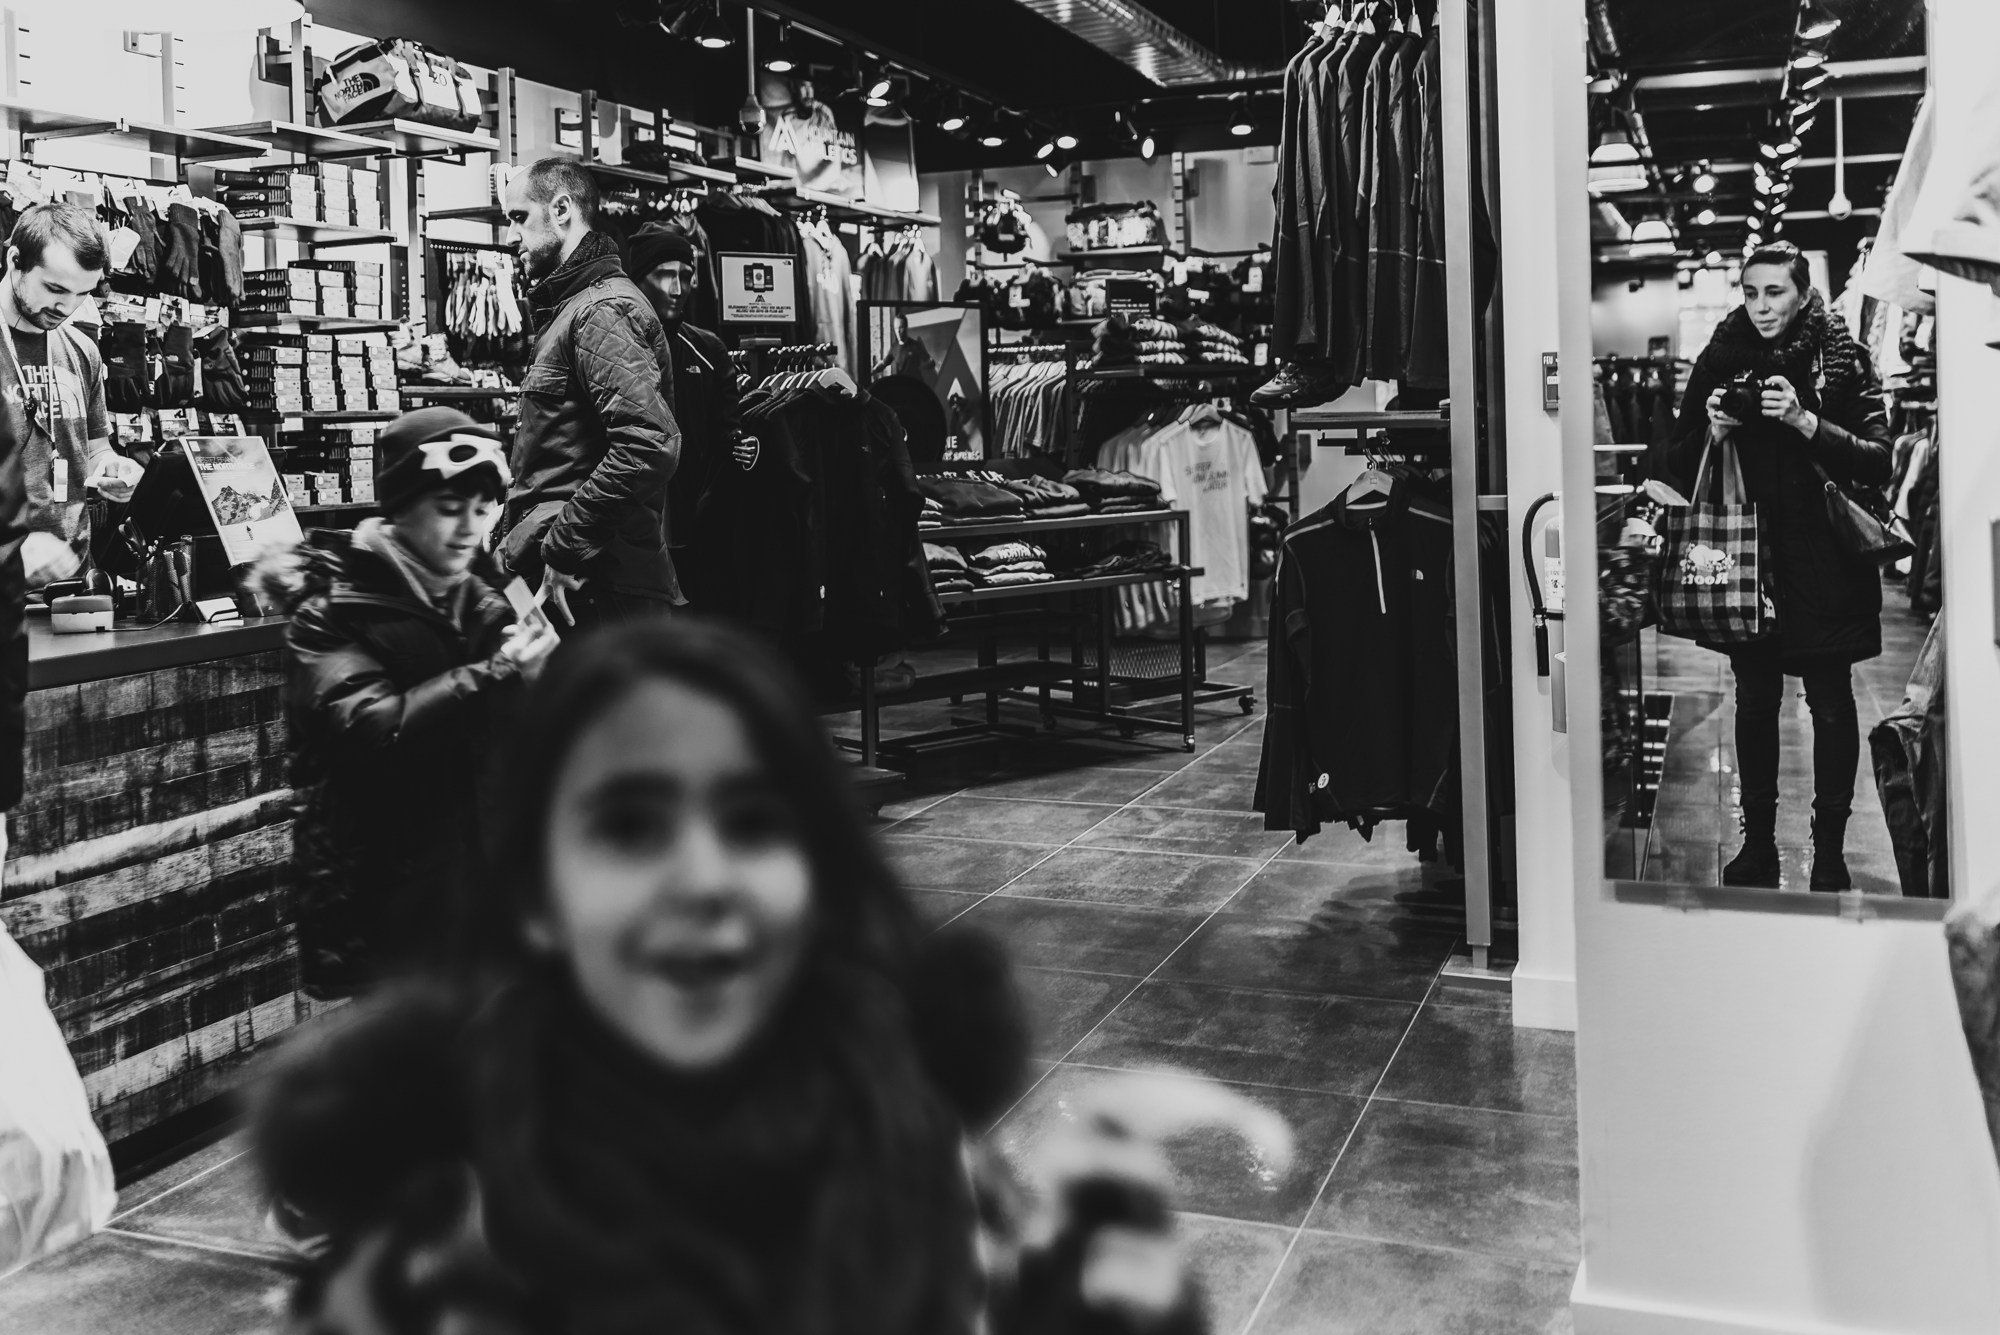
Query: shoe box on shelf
(327,463)
(289,373)
(313,192)
(348,288)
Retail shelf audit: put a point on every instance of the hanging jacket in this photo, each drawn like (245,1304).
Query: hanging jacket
(392,710)
(1362,691)
(598,443)
(710,417)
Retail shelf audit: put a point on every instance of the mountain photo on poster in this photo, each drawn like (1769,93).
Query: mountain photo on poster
(244,494)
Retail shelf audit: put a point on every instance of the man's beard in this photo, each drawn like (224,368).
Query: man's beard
(541,261)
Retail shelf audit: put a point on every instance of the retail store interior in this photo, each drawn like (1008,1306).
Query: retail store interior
(1334,532)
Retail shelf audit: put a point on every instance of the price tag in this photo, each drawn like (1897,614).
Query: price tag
(59,480)
(1254,280)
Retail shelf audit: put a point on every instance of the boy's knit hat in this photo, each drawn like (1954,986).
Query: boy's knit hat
(431,448)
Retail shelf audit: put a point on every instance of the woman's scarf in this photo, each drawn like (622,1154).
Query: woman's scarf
(1816,345)
(812,1188)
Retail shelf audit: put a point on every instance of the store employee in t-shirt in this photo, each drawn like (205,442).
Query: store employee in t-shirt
(53,381)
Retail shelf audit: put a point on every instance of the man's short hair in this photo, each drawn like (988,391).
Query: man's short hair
(71,224)
(563,174)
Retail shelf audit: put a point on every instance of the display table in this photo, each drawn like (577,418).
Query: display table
(148,870)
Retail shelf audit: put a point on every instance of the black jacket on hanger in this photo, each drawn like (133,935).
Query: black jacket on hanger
(1363,685)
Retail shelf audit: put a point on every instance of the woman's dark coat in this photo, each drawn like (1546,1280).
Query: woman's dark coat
(389,703)
(1829,602)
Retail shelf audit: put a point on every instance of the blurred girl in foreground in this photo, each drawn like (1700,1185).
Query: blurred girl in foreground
(706,1074)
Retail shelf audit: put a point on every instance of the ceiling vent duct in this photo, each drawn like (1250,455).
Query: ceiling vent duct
(1135,36)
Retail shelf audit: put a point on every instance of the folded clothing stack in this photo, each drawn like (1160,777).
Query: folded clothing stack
(1128,558)
(1009,563)
(932,516)
(1115,493)
(948,569)
(1163,352)
(1044,497)
(1212,345)
(966,500)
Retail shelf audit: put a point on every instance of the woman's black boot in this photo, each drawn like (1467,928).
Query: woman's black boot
(1756,863)
(1829,870)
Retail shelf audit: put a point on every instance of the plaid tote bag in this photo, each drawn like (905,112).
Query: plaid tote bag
(1712,566)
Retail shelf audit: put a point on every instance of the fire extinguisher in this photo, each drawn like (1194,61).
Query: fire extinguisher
(1544,572)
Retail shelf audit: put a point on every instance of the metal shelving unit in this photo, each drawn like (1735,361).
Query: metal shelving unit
(323,324)
(167,141)
(310,141)
(317,234)
(411,139)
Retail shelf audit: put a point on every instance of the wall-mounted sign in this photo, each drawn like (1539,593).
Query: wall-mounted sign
(758,289)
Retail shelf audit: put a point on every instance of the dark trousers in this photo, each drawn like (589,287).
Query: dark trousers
(597,604)
(1760,695)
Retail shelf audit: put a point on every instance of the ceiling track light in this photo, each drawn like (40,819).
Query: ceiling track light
(1706,218)
(713,34)
(782,58)
(1149,147)
(1065,140)
(1815,24)
(1240,123)
(1615,165)
(1046,150)
(1704,178)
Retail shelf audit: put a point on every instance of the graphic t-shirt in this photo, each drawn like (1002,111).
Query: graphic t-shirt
(1213,472)
(62,397)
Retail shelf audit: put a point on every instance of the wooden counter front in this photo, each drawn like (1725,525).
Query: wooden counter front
(148,869)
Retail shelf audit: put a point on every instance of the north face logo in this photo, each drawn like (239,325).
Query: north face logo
(356,86)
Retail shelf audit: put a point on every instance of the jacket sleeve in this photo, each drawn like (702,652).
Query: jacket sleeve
(621,376)
(1690,429)
(1853,443)
(364,711)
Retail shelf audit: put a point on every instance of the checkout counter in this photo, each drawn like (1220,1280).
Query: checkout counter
(148,869)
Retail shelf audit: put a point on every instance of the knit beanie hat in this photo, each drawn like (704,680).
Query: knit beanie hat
(656,244)
(431,448)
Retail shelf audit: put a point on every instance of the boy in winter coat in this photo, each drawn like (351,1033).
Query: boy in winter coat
(401,649)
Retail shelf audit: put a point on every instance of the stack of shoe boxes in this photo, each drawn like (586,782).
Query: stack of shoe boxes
(325,464)
(351,289)
(288,374)
(315,192)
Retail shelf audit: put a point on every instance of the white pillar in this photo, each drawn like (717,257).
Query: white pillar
(1545,292)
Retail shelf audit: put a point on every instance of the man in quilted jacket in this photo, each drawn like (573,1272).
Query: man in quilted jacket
(587,516)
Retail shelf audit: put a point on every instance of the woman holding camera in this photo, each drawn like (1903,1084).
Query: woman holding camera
(1817,401)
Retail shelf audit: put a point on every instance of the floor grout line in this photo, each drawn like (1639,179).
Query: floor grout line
(150,1200)
(241,1253)
(1102,1020)
(1080,834)
(1341,1154)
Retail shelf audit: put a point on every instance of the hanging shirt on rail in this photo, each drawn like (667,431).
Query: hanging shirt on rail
(1209,466)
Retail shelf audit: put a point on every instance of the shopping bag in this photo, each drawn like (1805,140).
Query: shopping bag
(56,1184)
(1712,571)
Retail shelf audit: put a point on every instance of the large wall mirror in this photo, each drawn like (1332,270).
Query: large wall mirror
(1766,446)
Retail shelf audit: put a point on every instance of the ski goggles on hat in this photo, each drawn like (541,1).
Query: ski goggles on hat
(454,454)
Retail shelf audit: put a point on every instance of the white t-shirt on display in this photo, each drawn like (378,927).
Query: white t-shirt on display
(1211,470)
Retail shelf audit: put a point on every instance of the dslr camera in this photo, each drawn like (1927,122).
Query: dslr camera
(1743,397)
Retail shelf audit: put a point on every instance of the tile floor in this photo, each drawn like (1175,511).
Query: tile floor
(1696,825)
(1156,924)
